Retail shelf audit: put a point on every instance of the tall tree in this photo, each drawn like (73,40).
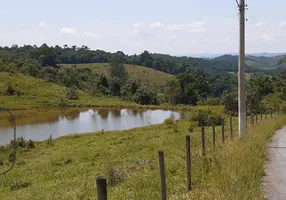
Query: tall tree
(117,67)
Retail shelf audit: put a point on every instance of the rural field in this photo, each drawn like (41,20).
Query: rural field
(135,72)
(66,168)
(37,93)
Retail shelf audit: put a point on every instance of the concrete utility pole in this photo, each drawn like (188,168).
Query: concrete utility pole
(241,72)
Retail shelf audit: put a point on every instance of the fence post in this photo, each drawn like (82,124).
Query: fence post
(163,175)
(189,164)
(101,187)
(265,114)
(252,119)
(230,124)
(214,137)
(222,130)
(203,141)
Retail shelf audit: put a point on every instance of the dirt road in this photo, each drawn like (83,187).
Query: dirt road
(275,179)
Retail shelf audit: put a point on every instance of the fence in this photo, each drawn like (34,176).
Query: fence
(101,182)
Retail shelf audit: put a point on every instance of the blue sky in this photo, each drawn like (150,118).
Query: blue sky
(174,27)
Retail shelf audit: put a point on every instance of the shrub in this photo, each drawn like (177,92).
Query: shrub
(192,126)
(19,185)
(114,176)
(72,93)
(30,144)
(10,90)
(169,121)
(171,124)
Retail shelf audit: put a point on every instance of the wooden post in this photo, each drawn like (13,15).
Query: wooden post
(214,137)
(101,188)
(231,131)
(203,141)
(252,119)
(163,175)
(265,114)
(222,130)
(189,164)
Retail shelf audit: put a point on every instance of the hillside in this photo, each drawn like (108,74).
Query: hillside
(260,62)
(34,92)
(135,72)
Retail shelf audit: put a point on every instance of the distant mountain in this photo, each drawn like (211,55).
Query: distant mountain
(261,62)
(266,54)
(211,56)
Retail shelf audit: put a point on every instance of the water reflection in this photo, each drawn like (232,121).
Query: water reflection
(39,126)
(102,113)
(71,115)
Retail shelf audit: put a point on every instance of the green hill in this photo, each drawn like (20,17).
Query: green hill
(135,72)
(34,92)
(260,62)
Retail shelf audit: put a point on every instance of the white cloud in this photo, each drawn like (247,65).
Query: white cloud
(197,27)
(259,24)
(268,38)
(175,27)
(157,24)
(196,24)
(198,30)
(140,32)
(137,25)
(88,34)
(39,39)
(172,37)
(66,30)
(42,24)
(282,24)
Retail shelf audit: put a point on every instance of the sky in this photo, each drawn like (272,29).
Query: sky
(178,27)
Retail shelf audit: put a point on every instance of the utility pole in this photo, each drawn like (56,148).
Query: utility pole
(241,72)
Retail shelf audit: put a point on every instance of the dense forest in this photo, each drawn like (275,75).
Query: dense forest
(196,81)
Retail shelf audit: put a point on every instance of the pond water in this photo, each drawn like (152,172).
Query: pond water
(41,126)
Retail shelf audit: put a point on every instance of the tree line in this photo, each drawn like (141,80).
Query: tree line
(196,81)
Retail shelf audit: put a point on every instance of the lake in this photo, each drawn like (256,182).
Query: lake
(41,124)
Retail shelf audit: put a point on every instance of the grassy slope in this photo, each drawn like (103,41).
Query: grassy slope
(135,72)
(67,168)
(38,93)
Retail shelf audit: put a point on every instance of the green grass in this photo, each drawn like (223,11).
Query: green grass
(38,93)
(135,72)
(67,169)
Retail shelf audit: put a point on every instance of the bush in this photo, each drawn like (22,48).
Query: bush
(30,144)
(169,121)
(206,117)
(192,126)
(114,176)
(171,124)
(19,185)
(10,90)
(72,93)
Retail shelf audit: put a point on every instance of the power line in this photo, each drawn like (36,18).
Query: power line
(254,33)
(263,28)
